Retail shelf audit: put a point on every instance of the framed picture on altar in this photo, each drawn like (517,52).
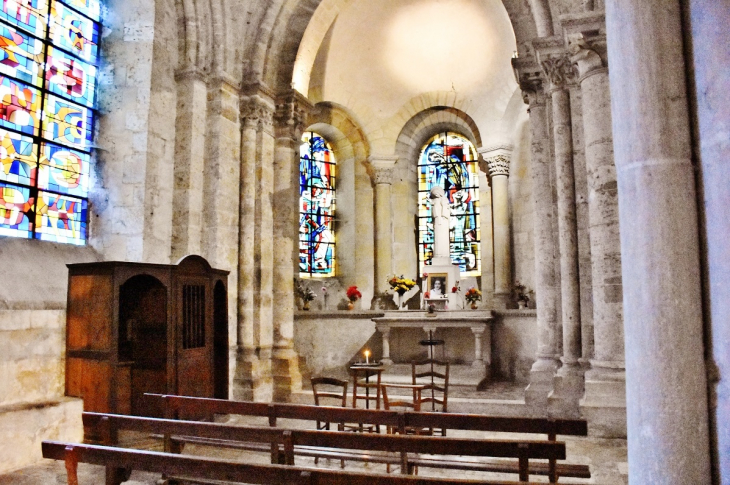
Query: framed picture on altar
(437,285)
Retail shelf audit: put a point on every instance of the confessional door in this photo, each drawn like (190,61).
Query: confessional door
(194,339)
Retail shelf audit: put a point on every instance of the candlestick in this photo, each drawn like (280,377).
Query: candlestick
(367,356)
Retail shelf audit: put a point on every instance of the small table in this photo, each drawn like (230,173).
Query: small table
(367,370)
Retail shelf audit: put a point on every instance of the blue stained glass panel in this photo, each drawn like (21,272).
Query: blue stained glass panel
(15,207)
(316,207)
(21,56)
(449,161)
(70,77)
(68,123)
(19,106)
(64,170)
(29,15)
(90,8)
(18,157)
(61,218)
(74,33)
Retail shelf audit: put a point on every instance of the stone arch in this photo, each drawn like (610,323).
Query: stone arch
(194,34)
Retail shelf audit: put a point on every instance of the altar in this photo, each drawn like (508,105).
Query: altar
(478,322)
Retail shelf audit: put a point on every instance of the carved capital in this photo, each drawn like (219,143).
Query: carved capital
(292,110)
(381,170)
(559,71)
(257,112)
(586,58)
(498,165)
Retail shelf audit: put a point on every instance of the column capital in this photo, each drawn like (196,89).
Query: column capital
(292,109)
(381,169)
(530,78)
(554,61)
(257,111)
(587,58)
(497,158)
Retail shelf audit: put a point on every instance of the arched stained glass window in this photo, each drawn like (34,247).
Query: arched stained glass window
(48,58)
(316,207)
(450,161)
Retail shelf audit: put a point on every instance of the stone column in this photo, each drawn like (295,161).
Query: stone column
(250,379)
(221,192)
(546,291)
(382,173)
(190,130)
(478,349)
(711,88)
(604,403)
(497,159)
(290,117)
(385,332)
(568,385)
(666,384)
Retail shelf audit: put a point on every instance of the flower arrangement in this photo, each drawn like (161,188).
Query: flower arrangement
(353,294)
(304,292)
(400,285)
(521,292)
(427,295)
(473,295)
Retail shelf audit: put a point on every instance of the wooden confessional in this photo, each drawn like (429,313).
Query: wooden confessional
(133,328)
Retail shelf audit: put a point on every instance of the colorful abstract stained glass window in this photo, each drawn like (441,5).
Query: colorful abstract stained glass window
(450,161)
(316,207)
(48,69)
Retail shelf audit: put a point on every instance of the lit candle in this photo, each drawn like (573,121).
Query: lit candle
(367,356)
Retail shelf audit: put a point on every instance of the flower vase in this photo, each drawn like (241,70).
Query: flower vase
(473,305)
(350,305)
(401,303)
(305,306)
(521,304)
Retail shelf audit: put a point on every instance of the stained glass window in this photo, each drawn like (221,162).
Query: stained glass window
(48,68)
(449,160)
(316,207)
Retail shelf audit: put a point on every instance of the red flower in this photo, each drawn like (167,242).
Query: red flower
(353,294)
(454,289)
(427,295)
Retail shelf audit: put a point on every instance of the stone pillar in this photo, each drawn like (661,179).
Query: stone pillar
(290,115)
(497,159)
(222,186)
(382,173)
(666,384)
(385,332)
(604,403)
(252,376)
(190,128)
(546,291)
(711,87)
(568,385)
(479,332)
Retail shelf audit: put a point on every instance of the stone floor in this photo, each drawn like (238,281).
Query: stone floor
(607,458)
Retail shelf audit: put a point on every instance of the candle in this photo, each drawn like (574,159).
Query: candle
(367,356)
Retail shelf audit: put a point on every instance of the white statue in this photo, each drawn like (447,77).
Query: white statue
(441,212)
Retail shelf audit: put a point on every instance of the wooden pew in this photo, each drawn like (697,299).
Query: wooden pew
(176,406)
(109,425)
(200,468)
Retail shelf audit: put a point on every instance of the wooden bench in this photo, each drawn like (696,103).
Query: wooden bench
(203,470)
(284,442)
(177,406)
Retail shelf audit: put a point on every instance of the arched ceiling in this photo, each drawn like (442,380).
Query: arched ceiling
(375,56)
